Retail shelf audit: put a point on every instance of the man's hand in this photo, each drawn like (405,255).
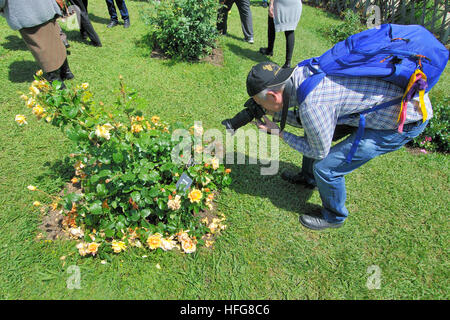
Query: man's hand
(268,126)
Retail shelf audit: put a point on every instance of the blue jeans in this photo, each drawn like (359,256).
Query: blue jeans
(329,173)
(112,9)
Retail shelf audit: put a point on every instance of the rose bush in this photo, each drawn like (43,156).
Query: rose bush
(124,164)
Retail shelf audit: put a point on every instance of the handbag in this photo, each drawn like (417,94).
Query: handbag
(71,18)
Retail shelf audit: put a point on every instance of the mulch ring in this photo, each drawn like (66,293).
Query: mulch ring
(55,224)
(215,58)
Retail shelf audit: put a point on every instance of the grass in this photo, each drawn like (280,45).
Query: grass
(398,202)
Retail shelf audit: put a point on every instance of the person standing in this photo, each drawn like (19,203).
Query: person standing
(38,28)
(284,15)
(326,107)
(113,13)
(244,13)
(86,28)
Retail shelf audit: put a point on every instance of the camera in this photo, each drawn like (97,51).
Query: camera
(251,111)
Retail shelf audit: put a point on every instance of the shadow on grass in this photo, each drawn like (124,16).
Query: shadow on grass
(75,36)
(247,53)
(247,179)
(55,174)
(22,71)
(98,19)
(14,43)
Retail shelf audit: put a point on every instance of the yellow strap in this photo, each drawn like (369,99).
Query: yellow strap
(422,105)
(412,80)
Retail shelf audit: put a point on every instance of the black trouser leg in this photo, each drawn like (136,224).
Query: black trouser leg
(85,24)
(290,41)
(270,34)
(222,16)
(65,72)
(89,29)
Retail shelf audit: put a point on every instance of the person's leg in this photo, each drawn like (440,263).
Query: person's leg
(222,16)
(112,10)
(246,19)
(330,172)
(290,41)
(270,37)
(123,9)
(89,29)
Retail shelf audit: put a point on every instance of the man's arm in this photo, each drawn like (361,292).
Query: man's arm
(319,123)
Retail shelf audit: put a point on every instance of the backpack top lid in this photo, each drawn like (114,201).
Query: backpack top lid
(391,52)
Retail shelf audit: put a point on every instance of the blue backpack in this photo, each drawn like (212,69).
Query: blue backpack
(407,55)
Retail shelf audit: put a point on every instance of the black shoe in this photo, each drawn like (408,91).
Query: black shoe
(55,76)
(266,51)
(96,44)
(65,72)
(126,23)
(317,222)
(112,24)
(286,65)
(296,178)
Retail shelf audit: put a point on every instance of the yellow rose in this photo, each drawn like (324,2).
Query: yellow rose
(36,203)
(103,131)
(31,188)
(183,236)
(31,102)
(38,110)
(167,244)
(188,246)
(92,248)
(118,246)
(82,248)
(34,90)
(136,128)
(195,195)
(85,85)
(174,204)
(39,73)
(215,163)
(154,241)
(20,119)
(155,119)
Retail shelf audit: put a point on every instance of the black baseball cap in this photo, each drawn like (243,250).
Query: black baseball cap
(265,75)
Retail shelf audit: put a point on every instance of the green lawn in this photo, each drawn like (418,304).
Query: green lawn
(399,202)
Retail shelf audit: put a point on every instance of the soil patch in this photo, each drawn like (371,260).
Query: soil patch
(54,223)
(215,58)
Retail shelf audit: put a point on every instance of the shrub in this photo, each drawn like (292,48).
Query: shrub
(436,137)
(350,25)
(183,29)
(128,174)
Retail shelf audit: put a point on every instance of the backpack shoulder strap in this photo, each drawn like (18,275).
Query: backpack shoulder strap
(312,81)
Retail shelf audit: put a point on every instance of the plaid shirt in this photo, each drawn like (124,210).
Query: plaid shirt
(335,97)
